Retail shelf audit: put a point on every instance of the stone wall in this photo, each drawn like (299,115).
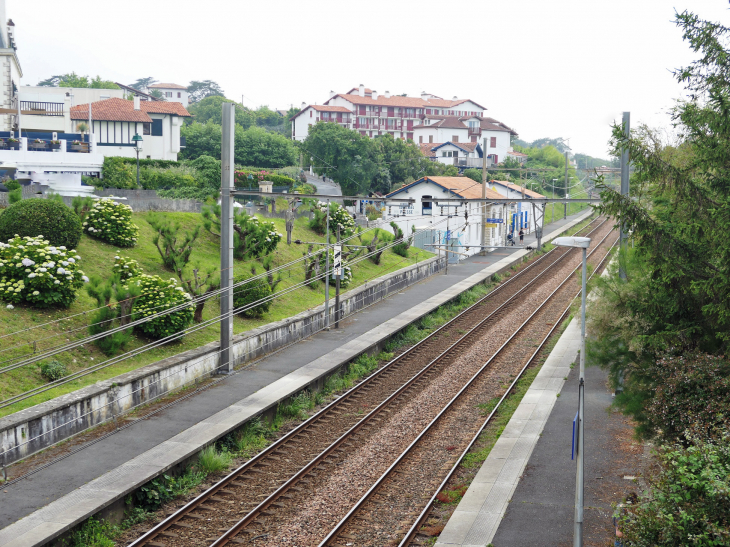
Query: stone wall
(38,427)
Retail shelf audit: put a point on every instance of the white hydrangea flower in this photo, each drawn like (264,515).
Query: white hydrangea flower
(60,271)
(36,293)
(10,307)
(84,279)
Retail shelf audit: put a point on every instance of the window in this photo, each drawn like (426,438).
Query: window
(179,95)
(168,93)
(445,154)
(430,138)
(310,113)
(493,142)
(146,128)
(420,139)
(156,128)
(455,138)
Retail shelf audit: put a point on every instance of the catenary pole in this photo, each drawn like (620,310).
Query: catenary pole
(337,285)
(565,210)
(484,196)
(624,185)
(580,472)
(327,273)
(226,362)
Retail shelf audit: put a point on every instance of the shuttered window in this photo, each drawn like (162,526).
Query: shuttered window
(156,128)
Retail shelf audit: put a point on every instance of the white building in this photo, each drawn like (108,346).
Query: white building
(10,73)
(374,114)
(463,155)
(115,121)
(520,214)
(465,222)
(172,92)
(309,115)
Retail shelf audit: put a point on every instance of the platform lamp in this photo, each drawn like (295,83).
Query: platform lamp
(582,243)
(137,140)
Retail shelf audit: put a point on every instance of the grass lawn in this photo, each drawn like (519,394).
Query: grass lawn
(97,259)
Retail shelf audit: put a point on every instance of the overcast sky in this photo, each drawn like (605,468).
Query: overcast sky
(548,69)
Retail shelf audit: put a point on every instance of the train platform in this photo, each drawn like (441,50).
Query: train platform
(56,498)
(524,493)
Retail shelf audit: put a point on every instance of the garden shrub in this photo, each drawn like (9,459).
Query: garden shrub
(252,237)
(208,171)
(339,217)
(41,217)
(186,192)
(53,370)
(152,178)
(112,222)
(251,178)
(347,278)
(250,292)
(126,267)
(116,172)
(400,248)
(34,272)
(158,295)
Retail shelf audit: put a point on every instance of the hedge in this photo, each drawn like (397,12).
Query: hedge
(41,217)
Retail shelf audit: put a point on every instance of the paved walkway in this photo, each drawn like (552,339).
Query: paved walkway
(107,470)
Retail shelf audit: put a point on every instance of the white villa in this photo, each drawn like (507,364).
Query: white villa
(465,222)
(173,92)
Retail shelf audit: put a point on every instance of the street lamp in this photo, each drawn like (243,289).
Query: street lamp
(137,140)
(582,243)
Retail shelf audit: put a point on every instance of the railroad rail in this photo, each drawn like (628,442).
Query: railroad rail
(268,477)
(349,530)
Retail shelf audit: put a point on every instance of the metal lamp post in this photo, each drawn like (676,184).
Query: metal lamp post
(582,243)
(137,140)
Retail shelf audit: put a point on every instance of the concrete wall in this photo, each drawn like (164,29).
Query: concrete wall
(60,418)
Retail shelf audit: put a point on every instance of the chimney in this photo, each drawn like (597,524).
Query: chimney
(424,95)
(387,95)
(11,33)
(375,95)
(455,98)
(136,102)
(332,93)
(362,90)
(304,105)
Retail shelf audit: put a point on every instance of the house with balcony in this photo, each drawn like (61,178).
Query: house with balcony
(374,114)
(464,155)
(310,115)
(429,215)
(172,92)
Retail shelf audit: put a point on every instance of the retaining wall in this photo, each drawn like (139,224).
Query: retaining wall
(64,416)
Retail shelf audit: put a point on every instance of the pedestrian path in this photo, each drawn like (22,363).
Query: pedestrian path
(53,500)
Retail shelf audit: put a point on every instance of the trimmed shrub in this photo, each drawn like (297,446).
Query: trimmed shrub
(48,218)
(39,274)
(339,217)
(53,370)
(126,267)
(208,172)
(118,173)
(186,192)
(158,295)
(152,178)
(251,178)
(112,222)
(249,293)
(253,238)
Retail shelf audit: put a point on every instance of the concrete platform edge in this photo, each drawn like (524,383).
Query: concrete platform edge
(56,518)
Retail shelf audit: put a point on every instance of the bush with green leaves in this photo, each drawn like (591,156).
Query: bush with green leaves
(34,272)
(111,221)
(688,502)
(116,172)
(251,291)
(200,194)
(48,218)
(347,271)
(182,176)
(53,370)
(339,218)
(404,243)
(208,171)
(126,267)
(253,238)
(156,296)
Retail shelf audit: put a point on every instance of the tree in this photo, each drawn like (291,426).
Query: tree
(261,148)
(200,89)
(157,94)
(209,109)
(74,80)
(143,84)
(201,140)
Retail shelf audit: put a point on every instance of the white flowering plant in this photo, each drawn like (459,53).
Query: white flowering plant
(346,270)
(126,267)
(339,218)
(158,295)
(112,222)
(254,238)
(34,272)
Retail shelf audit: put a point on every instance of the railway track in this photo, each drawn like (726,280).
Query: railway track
(426,466)
(240,504)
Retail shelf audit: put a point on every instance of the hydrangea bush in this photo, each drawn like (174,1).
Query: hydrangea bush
(339,218)
(346,270)
(254,238)
(126,267)
(112,222)
(158,295)
(36,273)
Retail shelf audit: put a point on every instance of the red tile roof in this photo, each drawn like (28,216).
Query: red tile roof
(122,110)
(167,86)
(461,186)
(517,188)
(397,100)
(445,122)
(327,108)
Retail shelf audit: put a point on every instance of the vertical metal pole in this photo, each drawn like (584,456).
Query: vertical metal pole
(448,239)
(565,211)
(484,196)
(337,287)
(327,273)
(226,361)
(137,149)
(579,476)
(624,186)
